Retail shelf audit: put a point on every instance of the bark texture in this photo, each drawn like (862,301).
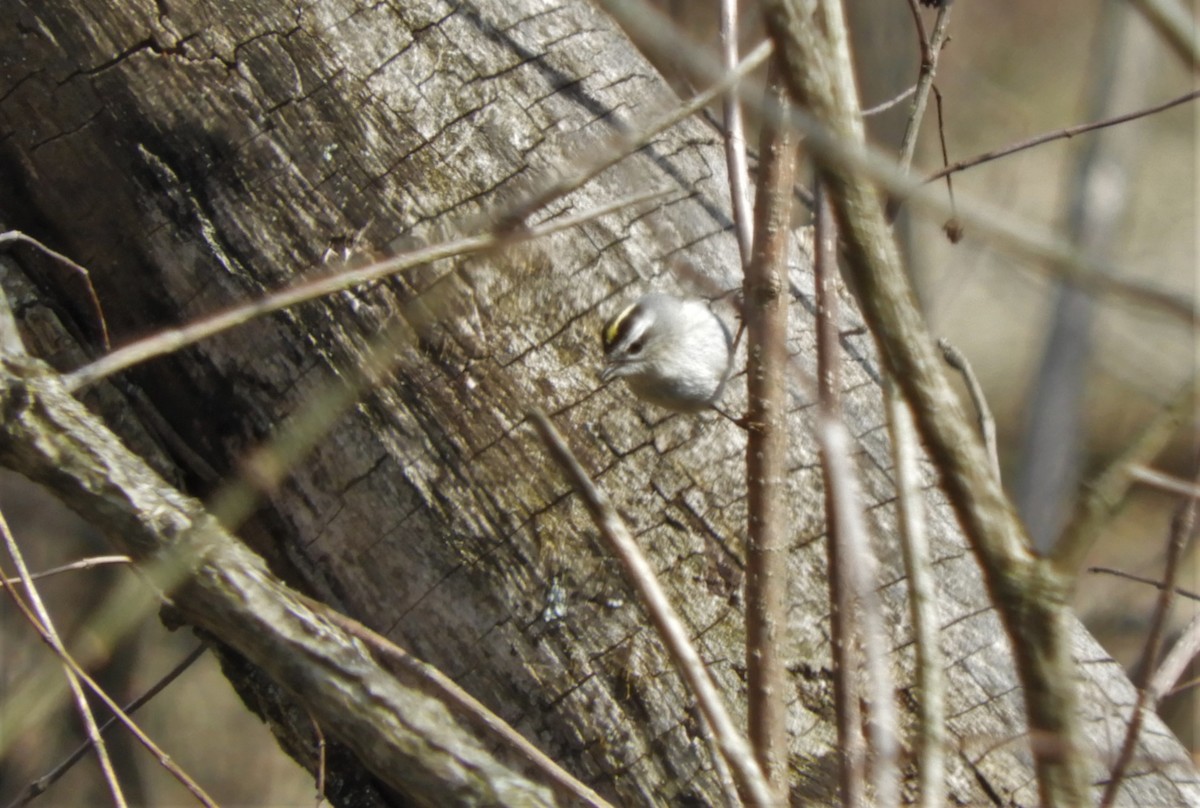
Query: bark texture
(195,154)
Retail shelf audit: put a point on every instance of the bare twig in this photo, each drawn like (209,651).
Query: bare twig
(101,322)
(321,749)
(1185,649)
(751,783)
(1180,591)
(1182,525)
(765,299)
(930,731)
(983,413)
(39,617)
(37,787)
(174,339)
(735,137)
(931,49)
(82,564)
(1165,482)
(884,106)
(1058,134)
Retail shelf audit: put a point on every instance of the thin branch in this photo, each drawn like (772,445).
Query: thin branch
(16,235)
(1179,590)
(922,36)
(858,568)
(320,736)
(82,564)
(1104,494)
(175,339)
(735,137)
(1164,482)
(39,786)
(163,758)
(751,783)
(39,617)
(852,747)
(1176,25)
(983,413)
(765,313)
(931,50)
(884,106)
(930,731)
(1053,256)
(625,146)
(1184,650)
(1059,134)
(1182,526)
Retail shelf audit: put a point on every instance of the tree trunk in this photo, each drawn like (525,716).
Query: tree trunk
(196,154)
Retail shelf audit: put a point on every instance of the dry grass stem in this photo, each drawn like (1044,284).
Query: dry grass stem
(465,705)
(1165,482)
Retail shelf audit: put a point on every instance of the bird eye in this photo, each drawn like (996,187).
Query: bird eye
(635,347)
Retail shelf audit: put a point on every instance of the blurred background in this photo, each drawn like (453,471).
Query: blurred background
(1070,379)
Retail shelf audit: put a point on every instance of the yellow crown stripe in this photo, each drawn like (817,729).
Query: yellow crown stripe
(614,325)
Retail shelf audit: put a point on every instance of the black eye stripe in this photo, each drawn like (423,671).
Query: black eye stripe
(619,328)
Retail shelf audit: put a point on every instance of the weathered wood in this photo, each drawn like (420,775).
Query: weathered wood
(195,154)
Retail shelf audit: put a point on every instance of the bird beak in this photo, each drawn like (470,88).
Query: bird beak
(608,372)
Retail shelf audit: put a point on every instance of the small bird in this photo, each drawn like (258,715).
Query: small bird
(672,352)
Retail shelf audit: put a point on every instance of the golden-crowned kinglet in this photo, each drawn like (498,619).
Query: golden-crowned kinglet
(671,352)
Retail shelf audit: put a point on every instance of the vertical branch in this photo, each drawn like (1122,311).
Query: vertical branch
(735,136)
(857,622)
(922,606)
(1029,594)
(765,304)
(931,49)
(852,762)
